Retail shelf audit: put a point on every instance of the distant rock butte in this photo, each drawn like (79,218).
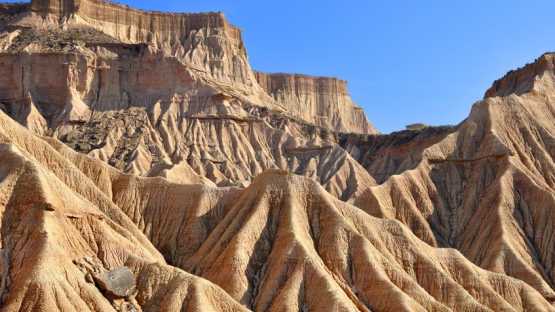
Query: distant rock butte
(323,101)
(223,56)
(188,79)
(144,166)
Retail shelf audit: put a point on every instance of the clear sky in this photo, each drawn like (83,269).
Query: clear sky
(406,61)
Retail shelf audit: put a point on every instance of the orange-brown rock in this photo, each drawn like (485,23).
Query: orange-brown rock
(390,154)
(147,110)
(485,189)
(59,227)
(103,106)
(323,101)
(145,167)
(282,244)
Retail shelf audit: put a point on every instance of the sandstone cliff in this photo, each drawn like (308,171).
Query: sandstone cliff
(140,148)
(525,79)
(485,189)
(323,101)
(283,244)
(205,43)
(147,115)
(146,112)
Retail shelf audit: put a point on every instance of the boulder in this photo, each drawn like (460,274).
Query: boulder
(119,283)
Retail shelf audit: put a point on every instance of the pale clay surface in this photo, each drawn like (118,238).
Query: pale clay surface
(144,166)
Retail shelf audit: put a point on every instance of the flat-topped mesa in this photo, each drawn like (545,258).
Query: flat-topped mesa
(274,82)
(524,79)
(213,48)
(324,101)
(158,23)
(205,41)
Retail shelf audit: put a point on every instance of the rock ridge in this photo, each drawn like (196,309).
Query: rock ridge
(113,12)
(324,101)
(155,171)
(524,79)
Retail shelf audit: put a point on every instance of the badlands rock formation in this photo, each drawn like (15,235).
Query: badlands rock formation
(282,244)
(144,166)
(487,188)
(172,93)
(322,101)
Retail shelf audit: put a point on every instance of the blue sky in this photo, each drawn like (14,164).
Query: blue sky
(406,61)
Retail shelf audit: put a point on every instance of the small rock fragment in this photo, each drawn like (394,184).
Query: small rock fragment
(118,283)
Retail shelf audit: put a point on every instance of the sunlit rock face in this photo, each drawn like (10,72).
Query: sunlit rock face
(144,166)
(323,101)
(152,93)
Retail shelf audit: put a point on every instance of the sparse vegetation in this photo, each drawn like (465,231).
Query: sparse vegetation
(59,40)
(417,126)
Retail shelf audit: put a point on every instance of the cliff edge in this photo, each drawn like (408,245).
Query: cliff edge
(324,101)
(209,44)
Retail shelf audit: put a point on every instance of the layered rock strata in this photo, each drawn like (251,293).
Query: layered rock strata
(485,189)
(206,43)
(283,244)
(154,171)
(323,101)
(169,116)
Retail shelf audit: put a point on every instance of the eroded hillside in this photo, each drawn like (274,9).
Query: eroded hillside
(146,167)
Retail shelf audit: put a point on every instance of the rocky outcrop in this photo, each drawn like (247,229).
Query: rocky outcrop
(118,283)
(323,101)
(56,221)
(142,26)
(391,154)
(523,80)
(485,188)
(205,45)
(103,105)
(156,172)
(300,248)
(205,42)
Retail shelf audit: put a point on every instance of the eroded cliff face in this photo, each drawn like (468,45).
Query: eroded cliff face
(151,153)
(282,244)
(395,153)
(524,80)
(205,41)
(145,114)
(323,101)
(485,189)
(138,100)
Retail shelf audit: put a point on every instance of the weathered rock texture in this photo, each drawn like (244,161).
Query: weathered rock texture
(172,92)
(323,101)
(145,167)
(486,188)
(207,44)
(282,244)
(205,40)
(59,226)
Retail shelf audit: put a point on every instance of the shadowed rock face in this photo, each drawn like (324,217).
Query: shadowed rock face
(145,167)
(387,155)
(523,80)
